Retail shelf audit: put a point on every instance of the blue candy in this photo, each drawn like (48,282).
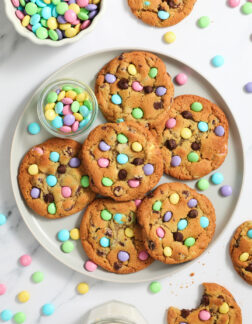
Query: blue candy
(57,122)
(33,128)
(217,178)
(51,180)
(163,15)
(249,233)
(84,111)
(104,242)
(48,309)
(54,156)
(120,120)
(217,61)
(85,121)
(40,3)
(35,19)
(6,315)
(203,126)
(59,107)
(116,99)
(122,158)
(35,27)
(146,3)
(63,235)
(118,218)
(204,221)
(182,224)
(46,12)
(2,219)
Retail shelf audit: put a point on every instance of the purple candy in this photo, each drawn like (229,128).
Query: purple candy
(58,91)
(71,1)
(160,91)
(69,120)
(110,78)
(167,216)
(175,161)
(219,131)
(74,162)
(91,7)
(183,323)
(61,20)
(248,87)
(226,191)
(58,31)
(104,146)
(93,14)
(35,192)
(148,169)
(123,256)
(192,203)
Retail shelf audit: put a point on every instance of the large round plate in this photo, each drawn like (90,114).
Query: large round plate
(44,230)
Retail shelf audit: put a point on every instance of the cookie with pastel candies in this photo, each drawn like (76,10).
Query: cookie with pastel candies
(178,223)
(52,179)
(123,160)
(112,238)
(135,87)
(194,137)
(241,251)
(217,306)
(160,13)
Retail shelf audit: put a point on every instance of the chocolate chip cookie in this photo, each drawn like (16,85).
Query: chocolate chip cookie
(178,223)
(194,138)
(217,306)
(134,87)
(241,251)
(123,160)
(161,13)
(52,180)
(112,238)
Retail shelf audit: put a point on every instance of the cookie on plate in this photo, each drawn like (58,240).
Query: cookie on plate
(52,180)
(194,138)
(112,238)
(217,306)
(135,87)
(178,223)
(123,160)
(241,251)
(161,13)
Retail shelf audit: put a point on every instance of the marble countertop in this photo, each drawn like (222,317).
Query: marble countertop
(24,65)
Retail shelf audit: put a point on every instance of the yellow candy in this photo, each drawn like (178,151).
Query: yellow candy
(70,32)
(82,96)
(96,1)
(169,37)
(52,23)
(174,198)
(77,28)
(132,69)
(82,288)
(23,296)
(71,94)
(136,147)
(244,256)
(49,106)
(74,7)
(224,308)
(78,116)
(64,26)
(33,169)
(75,234)
(186,133)
(50,114)
(26,20)
(47,1)
(167,251)
(128,232)
(61,95)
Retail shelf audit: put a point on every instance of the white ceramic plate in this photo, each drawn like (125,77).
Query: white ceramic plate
(44,230)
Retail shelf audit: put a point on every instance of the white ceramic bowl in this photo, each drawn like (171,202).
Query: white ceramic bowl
(10,12)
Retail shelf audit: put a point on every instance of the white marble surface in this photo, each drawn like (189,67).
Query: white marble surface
(24,65)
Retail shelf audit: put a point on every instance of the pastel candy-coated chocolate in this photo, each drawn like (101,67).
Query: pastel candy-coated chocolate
(160,232)
(226,191)
(103,163)
(6,315)
(148,169)
(33,128)
(103,146)
(167,216)
(192,203)
(219,131)
(123,256)
(204,222)
(160,91)
(2,289)
(181,78)
(48,309)
(170,123)
(204,315)
(217,178)
(110,78)
(163,15)
(136,86)
(175,160)
(90,266)
(25,260)
(66,192)
(35,193)
(248,87)
(133,183)
(143,256)
(74,162)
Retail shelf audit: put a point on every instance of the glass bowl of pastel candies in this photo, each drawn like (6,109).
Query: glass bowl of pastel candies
(67,108)
(54,22)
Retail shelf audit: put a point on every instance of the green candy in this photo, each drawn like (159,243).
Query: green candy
(55,2)
(84,10)
(122,138)
(22,2)
(42,33)
(52,97)
(53,35)
(31,8)
(202,184)
(85,181)
(51,209)
(247,8)
(78,90)
(67,247)
(37,276)
(107,182)
(193,157)
(88,104)
(43,22)
(83,16)
(137,113)
(190,241)
(157,205)
(19,318)
(153,72)
(67,87)
(75,106)
(203,22)
(106,215)
(61,8)
(196,106)
(155,287)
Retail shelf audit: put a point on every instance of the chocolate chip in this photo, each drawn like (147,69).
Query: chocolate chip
(70,208)
(118,191)
(123,84)
(158,105)
(100,253)
(121,243)
(150,194)
(122,174)
(171,144)
(249,268)
(186,193)
(193,213)
(48,198)
(69,151)
(92,181)
(172,4)
(117,265)
(61,169)
(185,313)
(121,57)
(148,89)
(221,297)
(205,300)
(178,236)
(104,127)
(195,146)
(138,161)
(151,245)
(109,232)
(187,114)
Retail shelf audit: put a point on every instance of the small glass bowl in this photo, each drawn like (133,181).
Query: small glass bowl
(54,86)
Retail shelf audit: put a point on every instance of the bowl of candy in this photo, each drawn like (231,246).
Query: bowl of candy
(67,108)
(54,22)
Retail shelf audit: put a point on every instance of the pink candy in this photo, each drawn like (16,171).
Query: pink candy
(138,202)
(66,192)
(67,101)
(25,260)
(66,129)
(2,289)
(204,315)
(19,14)
(233,3)
(133,183)
(66,110)
(70,16)
(75,126)
(137,86)
(15,3)
(90,266)
(181,78)
(103,163)
(143,255)
(85,24)
(160,232)
(170,123)
(38,150)
(82,3)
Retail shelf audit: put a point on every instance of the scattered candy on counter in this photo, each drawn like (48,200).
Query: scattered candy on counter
(63,235)
(48,309)
(247,8)
(6,315)
(226,191)
(203,22)
(23,296)
(90,266)
(19,318)
(169,37)
(56,19)
(217,61)
(217,178)
(67,247)
(233,3)
(203,184)
(33,128)
(3,219)
(248,88)
(155,287)
(2,289)
(181,78)
(25,260)
(82,288)
(37,277)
